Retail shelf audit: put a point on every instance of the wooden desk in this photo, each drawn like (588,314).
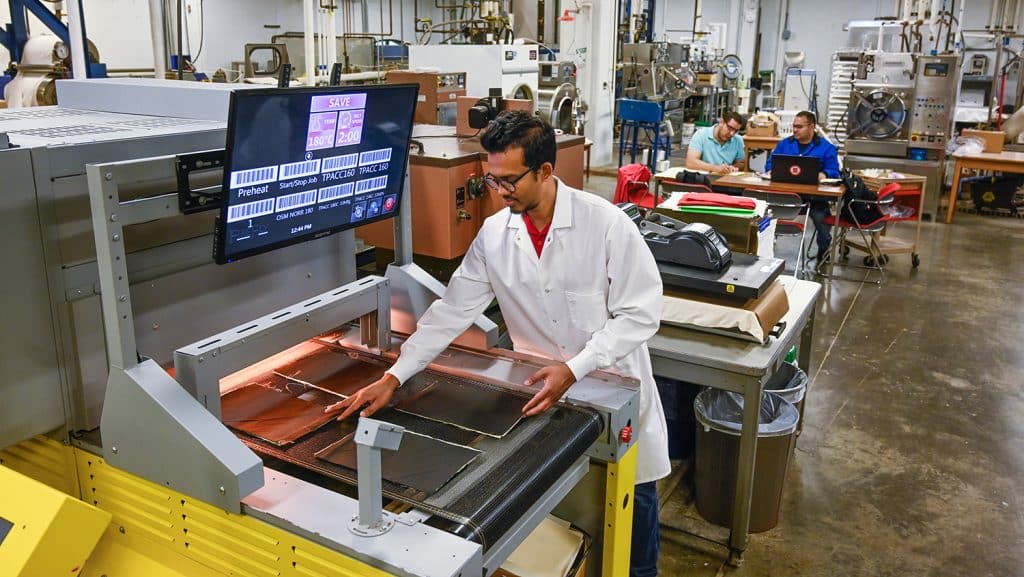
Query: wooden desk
(997,161)
(753,182)
(757,143)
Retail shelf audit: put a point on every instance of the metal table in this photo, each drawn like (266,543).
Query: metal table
(741,367)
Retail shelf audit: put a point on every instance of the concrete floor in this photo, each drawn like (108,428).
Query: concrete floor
(911,460)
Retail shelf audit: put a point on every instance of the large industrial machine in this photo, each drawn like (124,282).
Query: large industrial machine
(558,100)
(900,115)
(38,57)
(185,398)
(657,71)
(45,58)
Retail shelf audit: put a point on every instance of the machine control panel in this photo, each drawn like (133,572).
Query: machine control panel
(929,122)
(451,81)
(557,73)
(934,97)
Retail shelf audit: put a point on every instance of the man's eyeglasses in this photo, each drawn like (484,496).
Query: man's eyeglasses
(731,128)
(493,182)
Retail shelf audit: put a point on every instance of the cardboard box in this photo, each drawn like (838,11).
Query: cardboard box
(993,139)
(554,549)
(740,232)
(707,78)
(750,320)
(762,128)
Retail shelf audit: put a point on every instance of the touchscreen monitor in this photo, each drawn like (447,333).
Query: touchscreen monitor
(302,163)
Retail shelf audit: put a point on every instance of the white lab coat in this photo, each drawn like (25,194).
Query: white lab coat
(591,300)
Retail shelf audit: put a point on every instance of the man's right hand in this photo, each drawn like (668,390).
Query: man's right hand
(374,396)
(727,169)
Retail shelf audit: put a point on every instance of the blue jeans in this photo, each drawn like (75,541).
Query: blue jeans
(818,210)
(643,558)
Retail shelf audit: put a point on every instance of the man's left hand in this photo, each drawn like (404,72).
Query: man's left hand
(556,381)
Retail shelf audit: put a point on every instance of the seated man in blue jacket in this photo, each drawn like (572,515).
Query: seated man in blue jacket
(805,142)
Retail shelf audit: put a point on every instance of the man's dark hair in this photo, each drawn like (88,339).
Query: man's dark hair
(525,130)
(733,115)
(809,117)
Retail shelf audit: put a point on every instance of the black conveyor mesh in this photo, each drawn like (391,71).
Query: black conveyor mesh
(486,499)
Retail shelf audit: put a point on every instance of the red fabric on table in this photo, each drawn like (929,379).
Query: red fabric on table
(716,199)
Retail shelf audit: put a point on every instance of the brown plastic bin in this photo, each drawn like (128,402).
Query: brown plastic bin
(718,445)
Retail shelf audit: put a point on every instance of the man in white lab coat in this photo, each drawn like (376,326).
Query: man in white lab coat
(575,283)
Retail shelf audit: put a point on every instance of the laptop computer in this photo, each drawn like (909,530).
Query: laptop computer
(795,169)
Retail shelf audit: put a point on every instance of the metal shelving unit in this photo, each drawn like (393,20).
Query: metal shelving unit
(844,66)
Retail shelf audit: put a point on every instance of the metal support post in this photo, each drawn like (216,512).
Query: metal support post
(403,224)
(371,436)
(79,46)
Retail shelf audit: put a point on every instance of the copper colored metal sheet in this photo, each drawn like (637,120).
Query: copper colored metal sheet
(481,409)
(271,415)
(421,463)
(333,371)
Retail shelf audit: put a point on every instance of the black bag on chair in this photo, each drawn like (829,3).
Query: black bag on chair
(859,212)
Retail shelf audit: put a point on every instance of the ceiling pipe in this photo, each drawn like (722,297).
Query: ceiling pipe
(159,41)
(79,68)
(309,30)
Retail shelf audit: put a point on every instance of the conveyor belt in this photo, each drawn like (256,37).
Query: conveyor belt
(487,498)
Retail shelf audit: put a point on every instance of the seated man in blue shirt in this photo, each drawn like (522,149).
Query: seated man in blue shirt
(717,148)
(805,142)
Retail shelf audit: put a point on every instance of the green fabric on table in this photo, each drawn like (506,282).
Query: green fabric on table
(717,210)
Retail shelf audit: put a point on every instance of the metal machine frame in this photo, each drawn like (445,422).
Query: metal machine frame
(184,450)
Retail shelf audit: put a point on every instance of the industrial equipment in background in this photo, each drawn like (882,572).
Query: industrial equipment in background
(438,94)
(800,85)
(801,89)
(657,71)
(40,59)
(558,100)
(486,22)
(446,177)
(355,52)
(290,323)
(901,115)
(660,73)
(263,63)
(844,68)
(45,58)
(513,67)
(360,58)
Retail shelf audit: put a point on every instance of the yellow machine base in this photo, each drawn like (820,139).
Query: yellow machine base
(147,529)
(157,532)
(43,531)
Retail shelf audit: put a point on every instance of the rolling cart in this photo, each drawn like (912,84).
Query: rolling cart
(908,206)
